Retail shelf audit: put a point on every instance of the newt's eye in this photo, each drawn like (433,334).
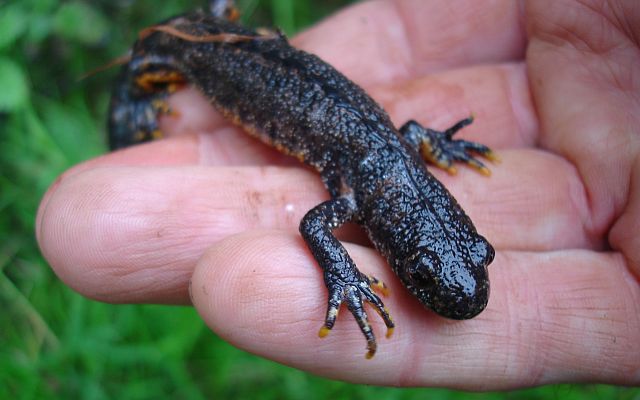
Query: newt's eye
(423,269)
(482,253)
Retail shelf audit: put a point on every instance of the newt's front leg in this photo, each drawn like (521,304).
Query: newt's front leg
(342,278)
(440,149)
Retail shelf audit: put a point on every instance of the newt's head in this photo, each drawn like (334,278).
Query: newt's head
(452,282)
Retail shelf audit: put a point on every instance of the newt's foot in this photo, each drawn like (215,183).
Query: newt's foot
(355,294)
(440,149)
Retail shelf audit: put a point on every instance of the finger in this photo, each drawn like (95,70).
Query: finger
(406,39)
(563,316)
(585,85)
(151,224)
(132,234)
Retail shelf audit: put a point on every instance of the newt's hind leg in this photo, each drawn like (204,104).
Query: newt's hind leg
(342,278)
(139,97)
(441,150)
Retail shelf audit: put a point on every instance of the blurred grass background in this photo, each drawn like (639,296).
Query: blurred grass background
(55,344)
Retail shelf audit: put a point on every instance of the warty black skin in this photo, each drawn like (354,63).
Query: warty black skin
(296,102)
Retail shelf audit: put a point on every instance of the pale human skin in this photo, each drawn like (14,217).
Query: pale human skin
(209,216)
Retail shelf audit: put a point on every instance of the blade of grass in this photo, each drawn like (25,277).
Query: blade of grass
(283,15)
(12,299)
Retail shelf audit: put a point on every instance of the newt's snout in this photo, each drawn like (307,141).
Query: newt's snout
(454,287)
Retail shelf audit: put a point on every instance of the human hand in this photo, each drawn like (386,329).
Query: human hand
(213,207)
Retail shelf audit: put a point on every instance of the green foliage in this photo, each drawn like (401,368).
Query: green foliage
(57,344)
(14,82)
(81,22)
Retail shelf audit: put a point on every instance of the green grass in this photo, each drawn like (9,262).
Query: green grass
(55,344)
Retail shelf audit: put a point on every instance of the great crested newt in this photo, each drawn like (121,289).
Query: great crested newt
(374,172)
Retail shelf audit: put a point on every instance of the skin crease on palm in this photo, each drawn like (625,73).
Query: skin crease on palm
(210,215)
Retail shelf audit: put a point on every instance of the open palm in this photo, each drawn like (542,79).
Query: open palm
(210,215)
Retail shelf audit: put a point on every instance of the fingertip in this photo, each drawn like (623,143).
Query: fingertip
(60,226)
(249,289)
(98,229)
(42,214)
